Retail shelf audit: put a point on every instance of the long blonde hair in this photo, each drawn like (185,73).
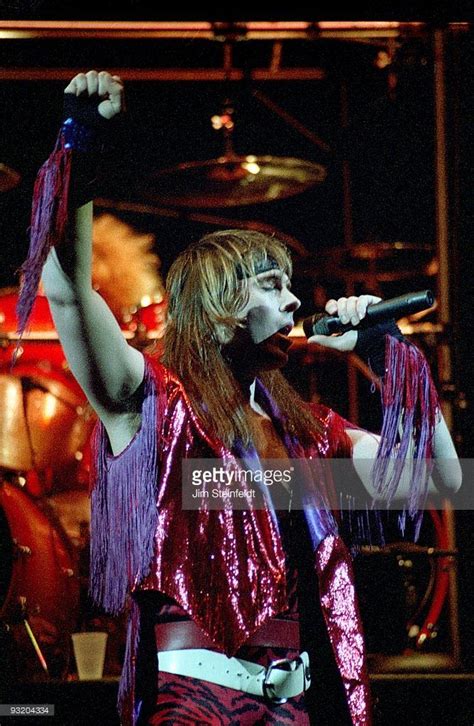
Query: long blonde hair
(204,294)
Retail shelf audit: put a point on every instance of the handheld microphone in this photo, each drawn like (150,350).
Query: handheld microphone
(397,307)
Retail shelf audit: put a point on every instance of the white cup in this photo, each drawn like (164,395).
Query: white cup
(89,652)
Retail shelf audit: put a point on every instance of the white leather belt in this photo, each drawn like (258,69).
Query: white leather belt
(281,680)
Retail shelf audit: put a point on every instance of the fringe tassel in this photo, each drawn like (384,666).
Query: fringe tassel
(49,219)
(123,523)
(126,705)
(124,511)
(410,413)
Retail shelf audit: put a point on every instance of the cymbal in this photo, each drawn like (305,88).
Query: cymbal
(386,261)
(231,181)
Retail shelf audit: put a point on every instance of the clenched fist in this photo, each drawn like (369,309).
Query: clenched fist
(107,88)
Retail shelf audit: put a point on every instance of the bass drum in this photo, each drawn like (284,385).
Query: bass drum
(38,581)
(46,419)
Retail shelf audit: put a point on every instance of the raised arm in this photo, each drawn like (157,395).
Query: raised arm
(109,370)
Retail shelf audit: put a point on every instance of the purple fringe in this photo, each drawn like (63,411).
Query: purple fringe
(124,513)
(410,414)
(49,218)
(124,517)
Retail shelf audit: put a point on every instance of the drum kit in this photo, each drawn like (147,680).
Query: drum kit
(44,479)
(46,424)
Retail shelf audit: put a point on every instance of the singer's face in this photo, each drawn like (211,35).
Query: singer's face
(268,317)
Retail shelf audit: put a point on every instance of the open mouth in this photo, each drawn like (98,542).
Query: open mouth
(281,338)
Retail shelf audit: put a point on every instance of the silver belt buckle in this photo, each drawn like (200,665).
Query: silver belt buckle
(266,686)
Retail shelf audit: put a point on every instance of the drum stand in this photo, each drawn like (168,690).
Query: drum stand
(31,635)
(438,262)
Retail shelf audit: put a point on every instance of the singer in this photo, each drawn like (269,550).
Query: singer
(236,617)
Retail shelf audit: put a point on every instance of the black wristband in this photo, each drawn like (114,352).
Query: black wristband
(85,132)
(83,127)
(370,344)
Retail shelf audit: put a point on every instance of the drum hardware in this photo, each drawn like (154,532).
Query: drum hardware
(39,412)
(36,647)
(21,610)
(20,550)
(401,550)
(22,617)
(39,586)
(441,577)
(31,337)
(426,589)
(231,180)
(375,264)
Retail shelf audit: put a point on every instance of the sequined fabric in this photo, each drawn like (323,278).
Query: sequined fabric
(225,569)
(339,604)
(189,701)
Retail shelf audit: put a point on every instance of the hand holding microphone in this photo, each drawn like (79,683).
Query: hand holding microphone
(348,315)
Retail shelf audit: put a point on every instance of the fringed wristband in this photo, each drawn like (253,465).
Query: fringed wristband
(410,410)
(370,344)
(67,178)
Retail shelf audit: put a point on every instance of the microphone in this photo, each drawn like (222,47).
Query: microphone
(397,307)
